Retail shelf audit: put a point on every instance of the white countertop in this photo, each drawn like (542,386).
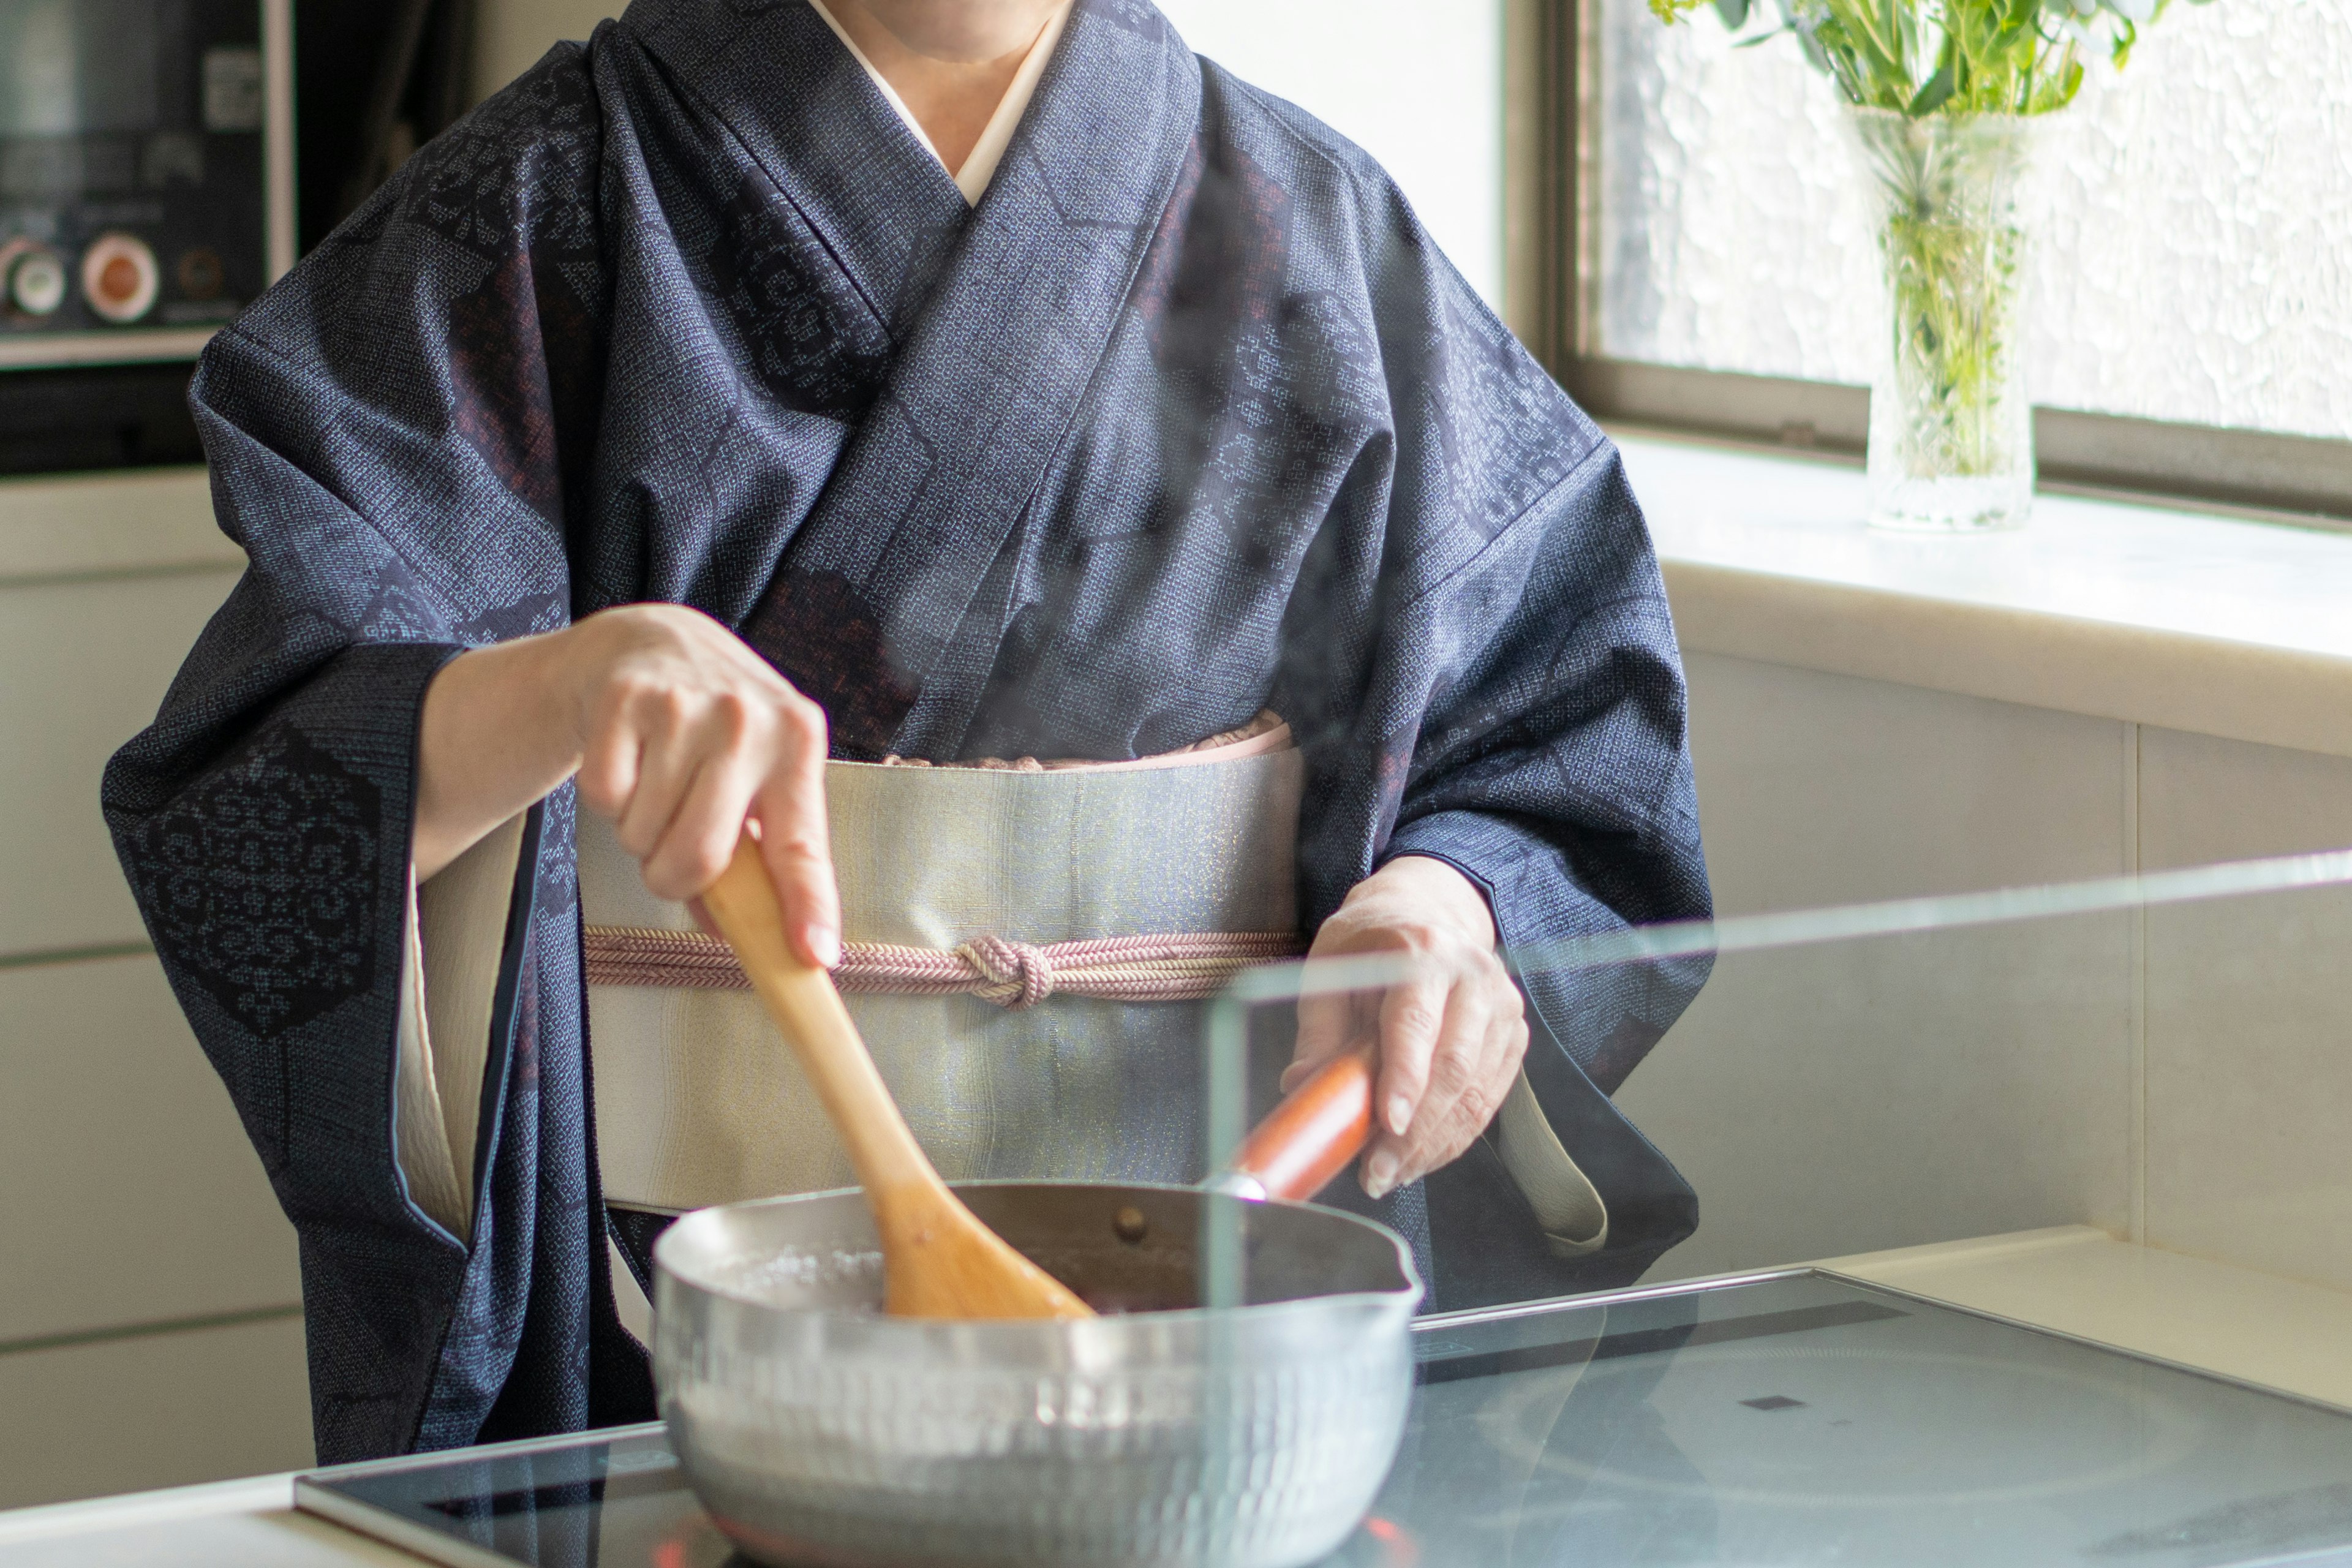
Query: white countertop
(2287,1335)
(2188,621)
(231,1524)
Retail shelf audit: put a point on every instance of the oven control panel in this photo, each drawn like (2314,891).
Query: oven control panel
(136,208)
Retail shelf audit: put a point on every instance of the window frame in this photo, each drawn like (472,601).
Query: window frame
(1551,71)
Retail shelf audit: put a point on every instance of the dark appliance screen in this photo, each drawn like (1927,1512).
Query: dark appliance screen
(77,67)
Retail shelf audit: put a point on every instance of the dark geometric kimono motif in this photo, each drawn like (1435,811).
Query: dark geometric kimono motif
(1188,419)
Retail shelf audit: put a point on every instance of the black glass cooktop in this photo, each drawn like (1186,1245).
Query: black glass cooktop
(1796,1419)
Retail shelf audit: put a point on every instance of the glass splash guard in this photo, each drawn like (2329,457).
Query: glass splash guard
(2003,1202)
(2024,1237)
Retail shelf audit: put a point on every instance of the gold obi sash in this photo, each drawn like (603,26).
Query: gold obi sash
(1021,944)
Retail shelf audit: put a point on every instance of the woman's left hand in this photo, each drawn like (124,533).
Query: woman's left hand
(1451,1037)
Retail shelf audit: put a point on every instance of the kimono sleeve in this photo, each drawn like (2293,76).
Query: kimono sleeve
(1515,706)
(388,432)
(1551,768)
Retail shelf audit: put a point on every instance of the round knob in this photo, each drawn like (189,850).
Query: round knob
(119,277)
(202,273)
(32,279)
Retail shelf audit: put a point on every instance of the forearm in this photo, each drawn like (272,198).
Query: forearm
(499,730)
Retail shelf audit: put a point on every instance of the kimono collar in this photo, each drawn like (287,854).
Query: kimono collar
(771,73)
(877,583)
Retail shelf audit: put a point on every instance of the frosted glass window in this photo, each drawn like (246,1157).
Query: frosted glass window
(2193,261)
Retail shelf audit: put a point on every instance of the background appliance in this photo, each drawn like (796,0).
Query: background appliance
(162,162)
(146,173)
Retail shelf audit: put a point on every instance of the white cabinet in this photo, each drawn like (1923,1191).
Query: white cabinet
(128,1192)
(149,1327)
(82,666)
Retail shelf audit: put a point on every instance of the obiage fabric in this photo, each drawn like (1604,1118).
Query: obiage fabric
(1187,419)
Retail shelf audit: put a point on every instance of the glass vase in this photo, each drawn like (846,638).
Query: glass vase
(1951,430)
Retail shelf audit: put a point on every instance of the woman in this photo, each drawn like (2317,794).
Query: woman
(767,390)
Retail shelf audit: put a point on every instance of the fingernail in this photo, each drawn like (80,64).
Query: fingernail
(826,944)
(1400,1117)
(1380,1174)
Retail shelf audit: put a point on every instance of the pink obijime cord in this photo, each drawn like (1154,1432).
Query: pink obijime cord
(1181,967)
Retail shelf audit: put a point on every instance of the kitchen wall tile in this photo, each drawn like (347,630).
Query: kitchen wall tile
(161,1410)
(1900,1090)
(86,663)
(2204,800)
(1818,790)
(1909,1090)
(128,1191)
(2249,1018)
(2250,1082)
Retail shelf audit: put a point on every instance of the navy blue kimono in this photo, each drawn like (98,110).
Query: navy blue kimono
(1187,419)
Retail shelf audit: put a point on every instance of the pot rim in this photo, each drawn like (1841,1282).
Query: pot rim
(835,1325)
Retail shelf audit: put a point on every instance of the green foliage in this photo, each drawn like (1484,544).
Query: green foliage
(1946,56)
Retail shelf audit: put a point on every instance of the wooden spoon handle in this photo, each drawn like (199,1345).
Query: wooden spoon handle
(937,1259)
(881,1146)
(1317,1129)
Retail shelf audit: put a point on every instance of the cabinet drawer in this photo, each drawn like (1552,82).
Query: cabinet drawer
(83,668)
(162,1410)
(128,1192)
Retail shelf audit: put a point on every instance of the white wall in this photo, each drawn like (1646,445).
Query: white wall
(510,35)
(2183,1081)
(1417,83)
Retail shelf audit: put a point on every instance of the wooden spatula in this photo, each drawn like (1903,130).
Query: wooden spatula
(937,1259)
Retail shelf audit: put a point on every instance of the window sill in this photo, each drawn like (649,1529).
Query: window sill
(2179,619)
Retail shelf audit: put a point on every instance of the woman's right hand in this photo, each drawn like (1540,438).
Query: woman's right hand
(677,731)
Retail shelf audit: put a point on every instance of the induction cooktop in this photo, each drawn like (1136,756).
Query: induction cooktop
(1788,1418)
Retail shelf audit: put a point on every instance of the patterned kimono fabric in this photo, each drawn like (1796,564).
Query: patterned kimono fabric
(1187,419)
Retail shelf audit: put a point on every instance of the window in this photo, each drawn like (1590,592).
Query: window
(2191,289)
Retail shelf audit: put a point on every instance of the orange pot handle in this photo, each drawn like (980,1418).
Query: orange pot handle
(1316,1133)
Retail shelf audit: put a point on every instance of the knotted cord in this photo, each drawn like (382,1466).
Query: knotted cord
(1179,967)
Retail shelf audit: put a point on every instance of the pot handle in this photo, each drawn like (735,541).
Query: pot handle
(1318,1129)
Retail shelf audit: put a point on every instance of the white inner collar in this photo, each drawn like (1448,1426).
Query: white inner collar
(980,168)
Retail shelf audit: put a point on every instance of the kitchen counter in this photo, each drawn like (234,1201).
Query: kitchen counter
(231,1524)
(2284,1334)
(2287,1335)
(2186,620)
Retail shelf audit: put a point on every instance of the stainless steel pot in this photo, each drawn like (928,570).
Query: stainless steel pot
(818,1431)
